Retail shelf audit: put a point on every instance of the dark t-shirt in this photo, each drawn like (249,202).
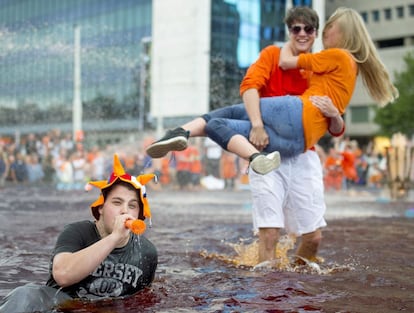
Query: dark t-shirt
(125,271)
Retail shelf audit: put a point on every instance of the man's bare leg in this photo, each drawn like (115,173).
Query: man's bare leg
(268,238)
(309,245)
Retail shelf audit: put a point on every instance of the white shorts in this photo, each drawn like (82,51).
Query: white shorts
(291,197)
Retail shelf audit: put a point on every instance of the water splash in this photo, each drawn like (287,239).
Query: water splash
(137,239)
(313,265)
(247,256)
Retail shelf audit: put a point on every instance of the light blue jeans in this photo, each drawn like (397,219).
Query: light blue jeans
(282,118)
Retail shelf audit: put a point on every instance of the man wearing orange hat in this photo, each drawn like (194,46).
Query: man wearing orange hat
(101,258)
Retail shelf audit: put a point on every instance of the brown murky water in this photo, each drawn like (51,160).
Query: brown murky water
(369,260)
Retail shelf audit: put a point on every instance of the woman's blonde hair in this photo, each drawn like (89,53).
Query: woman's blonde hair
(356,39)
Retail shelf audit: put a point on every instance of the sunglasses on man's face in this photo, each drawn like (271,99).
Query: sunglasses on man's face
(309,30)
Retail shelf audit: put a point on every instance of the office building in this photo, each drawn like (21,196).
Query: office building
(391,26)
(38,78)
(117,68)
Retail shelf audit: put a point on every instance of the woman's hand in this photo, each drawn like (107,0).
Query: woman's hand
(325,105)
(328,109)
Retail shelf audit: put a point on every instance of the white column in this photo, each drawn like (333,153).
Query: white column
(143,75)
(180,59)
(319,7)
(77,102)
(288,6)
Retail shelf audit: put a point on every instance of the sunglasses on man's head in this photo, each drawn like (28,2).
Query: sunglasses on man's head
(309,30)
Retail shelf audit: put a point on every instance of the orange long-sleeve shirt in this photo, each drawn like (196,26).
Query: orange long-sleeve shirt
(270,80)
(334,75)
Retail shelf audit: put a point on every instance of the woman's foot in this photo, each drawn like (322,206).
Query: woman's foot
(263,163)
(174,140)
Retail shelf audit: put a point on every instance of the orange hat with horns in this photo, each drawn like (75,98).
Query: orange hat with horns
(118,173)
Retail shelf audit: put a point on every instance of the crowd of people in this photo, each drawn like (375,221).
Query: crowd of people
(55,159)
(347,165)
(51,159)
(286,194)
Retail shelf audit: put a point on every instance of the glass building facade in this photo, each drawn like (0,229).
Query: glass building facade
(240,29)
(37,58)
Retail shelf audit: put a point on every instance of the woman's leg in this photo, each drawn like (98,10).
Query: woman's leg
(197,126)
(232,136)
(282,118)
(177,139)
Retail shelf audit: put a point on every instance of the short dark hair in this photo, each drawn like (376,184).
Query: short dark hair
(303,14)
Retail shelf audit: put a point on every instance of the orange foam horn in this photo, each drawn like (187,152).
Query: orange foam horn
(136,226)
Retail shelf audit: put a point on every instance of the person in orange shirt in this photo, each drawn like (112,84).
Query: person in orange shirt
(165,178)
(228,169)
(348,166)
(291,197)
(333,170)
(196,167)
(183,168)
(292,123)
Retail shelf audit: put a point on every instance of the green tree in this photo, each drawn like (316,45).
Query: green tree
(398,116)
(225,82)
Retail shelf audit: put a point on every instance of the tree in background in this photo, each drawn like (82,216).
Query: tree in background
(398,116)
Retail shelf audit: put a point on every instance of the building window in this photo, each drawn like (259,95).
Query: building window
(269,6)
(375,15)
(400,12)
(411,9)
(395,42)
(360,114)
(364,16)
(387,14)
(267,33)
(307,3)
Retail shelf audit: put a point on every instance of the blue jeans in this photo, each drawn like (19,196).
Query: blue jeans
(282,118)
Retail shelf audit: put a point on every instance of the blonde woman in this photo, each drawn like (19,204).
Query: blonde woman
(292,123)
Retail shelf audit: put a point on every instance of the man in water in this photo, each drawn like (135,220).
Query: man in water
(97,259)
